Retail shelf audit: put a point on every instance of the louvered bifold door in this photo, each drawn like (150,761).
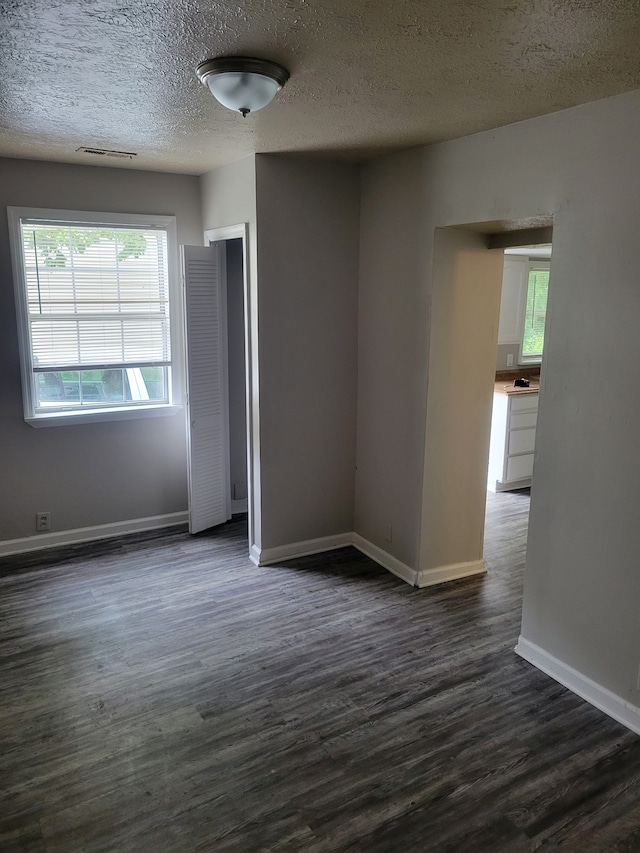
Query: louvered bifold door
(207,396)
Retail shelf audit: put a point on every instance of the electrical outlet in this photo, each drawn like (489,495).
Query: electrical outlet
(43,522)
(239,491)
(510,360)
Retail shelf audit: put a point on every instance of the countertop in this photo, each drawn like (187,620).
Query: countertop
(508,388)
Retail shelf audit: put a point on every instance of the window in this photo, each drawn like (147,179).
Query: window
(535,311)
(94,298)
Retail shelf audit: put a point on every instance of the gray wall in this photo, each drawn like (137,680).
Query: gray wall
(229,195)
(95,473)
(303,278)
(307,312)
(393,312)
(581,165)
(229,198)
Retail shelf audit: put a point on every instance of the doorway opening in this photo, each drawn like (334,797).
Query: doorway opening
(516,393)
(520,347)
(236,371)
(464,314)
(218,382)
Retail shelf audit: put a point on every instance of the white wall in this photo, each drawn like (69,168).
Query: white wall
(581,166)
(99,473)
(514,277)
(308,214)
(512,300)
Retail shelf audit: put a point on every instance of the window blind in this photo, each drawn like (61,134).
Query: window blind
(97,296)
(535,312)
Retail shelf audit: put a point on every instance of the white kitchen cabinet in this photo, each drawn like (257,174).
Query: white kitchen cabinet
(512,299)
(513,436)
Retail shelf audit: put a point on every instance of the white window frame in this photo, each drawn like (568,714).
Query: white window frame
(543,265)
(88,415)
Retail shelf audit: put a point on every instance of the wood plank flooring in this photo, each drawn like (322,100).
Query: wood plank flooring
(163,694)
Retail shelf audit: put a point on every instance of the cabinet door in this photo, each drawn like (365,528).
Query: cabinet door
(520,420)
(524,402)
(522,441)
(519,467)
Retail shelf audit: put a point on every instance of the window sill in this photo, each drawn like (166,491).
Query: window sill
(100,415)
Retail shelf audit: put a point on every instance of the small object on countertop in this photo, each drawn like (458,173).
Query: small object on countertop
(521,383)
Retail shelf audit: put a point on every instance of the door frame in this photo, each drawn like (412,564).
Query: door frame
(469,500)
(218,235)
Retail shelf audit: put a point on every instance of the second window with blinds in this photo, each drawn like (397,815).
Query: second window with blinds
(98,314)
(535,311)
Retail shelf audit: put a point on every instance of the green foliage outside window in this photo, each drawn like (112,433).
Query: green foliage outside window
(535,314)
(51,242)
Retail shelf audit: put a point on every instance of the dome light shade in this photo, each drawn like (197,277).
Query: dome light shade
(242,84)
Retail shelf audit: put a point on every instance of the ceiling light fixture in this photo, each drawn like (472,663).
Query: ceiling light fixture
(241,83)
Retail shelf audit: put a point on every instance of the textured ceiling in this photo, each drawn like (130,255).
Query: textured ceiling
(366,76)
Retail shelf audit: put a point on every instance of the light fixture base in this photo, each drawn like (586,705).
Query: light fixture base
(242,83)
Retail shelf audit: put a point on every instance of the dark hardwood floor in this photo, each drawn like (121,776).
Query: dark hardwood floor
(163,694)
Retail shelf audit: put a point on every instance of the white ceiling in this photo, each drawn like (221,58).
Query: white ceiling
(366,76)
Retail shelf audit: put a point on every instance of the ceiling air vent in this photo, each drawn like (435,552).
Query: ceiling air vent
(105,152)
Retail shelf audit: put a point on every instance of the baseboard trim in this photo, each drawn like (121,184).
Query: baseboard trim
(258,556)
(266,556)
(606,701)
(452,572)
(387,561)
(87,534)
(512,485)
(426,577)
